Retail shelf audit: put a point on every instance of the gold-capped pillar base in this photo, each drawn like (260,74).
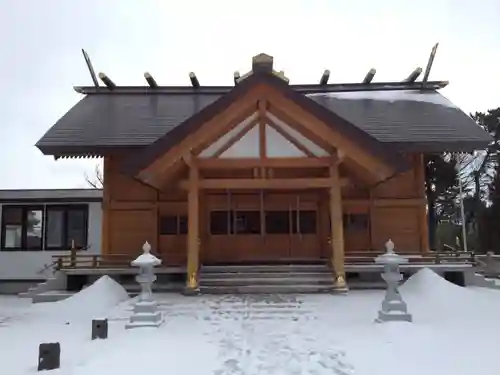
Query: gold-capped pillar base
(192,288)
(340,285)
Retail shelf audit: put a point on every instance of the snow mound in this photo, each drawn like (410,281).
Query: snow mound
(431,297)
(427,282)
(99,297)
(95,301)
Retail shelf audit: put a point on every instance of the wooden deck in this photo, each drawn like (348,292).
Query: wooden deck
(79,263)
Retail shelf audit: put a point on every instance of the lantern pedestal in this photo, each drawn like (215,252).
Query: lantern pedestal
(146,312)
(393,309)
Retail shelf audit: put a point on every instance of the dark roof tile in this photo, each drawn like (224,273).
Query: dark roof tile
(411,120)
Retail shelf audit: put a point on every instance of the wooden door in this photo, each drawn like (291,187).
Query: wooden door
(305,234)
(233,230)
(172,233)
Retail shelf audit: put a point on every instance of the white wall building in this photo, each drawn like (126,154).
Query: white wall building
(37,224)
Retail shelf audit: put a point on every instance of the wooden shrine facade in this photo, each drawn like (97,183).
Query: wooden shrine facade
(260,174)
(264,180)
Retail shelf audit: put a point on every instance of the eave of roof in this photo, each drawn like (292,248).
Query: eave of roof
(220,90)
(50,195)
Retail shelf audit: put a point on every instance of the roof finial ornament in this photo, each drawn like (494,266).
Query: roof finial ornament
(262,63)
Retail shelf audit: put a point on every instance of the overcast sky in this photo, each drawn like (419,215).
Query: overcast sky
(41,59)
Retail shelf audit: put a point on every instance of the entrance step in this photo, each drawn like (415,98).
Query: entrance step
(267,268)
(266,289)
(250,281)
(265,279)
(265,275)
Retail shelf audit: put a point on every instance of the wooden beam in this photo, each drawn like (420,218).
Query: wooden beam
(194,79)
(382,202)
(107,81)
(248,115)
(90,68)
(422,204)
(298,127)
(369,76)
(106,206)
(210,132)
(263,183)
(262,105)
(193,238)
(151,81)
(324,78)
(244,163)
(235,138)
(289,138)
(165,179)
(290,112)
(414,75)
(337,230)
(429,64)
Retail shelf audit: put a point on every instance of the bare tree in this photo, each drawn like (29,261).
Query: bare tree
(97,180)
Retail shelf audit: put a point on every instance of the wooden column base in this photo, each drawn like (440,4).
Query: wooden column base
(190,292)
(340,285)
(192,288)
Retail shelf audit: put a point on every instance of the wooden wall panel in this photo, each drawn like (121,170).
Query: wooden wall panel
(126,188)
(403,185)
(129,229)
(401,225)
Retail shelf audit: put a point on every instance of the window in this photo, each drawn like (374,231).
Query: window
(277,222)
(220,222)
(173,225)
(22,228)
(304,222)
(246,222)
(66,225)
(249,222)
(234,222)
(356,222)
(43,228)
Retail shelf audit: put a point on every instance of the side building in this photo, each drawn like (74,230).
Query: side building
(36,225)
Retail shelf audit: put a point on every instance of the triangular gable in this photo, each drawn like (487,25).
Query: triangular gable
(281,141)
(178,137)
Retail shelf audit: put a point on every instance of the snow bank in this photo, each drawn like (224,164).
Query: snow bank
(92,302)
(430,296)
(426,282)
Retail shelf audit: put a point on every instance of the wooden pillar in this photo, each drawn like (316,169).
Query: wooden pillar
(106,207)
(422,208)
(337,230)
(193,238)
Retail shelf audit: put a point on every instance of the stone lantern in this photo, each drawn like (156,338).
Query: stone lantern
(393,306)
(146,312)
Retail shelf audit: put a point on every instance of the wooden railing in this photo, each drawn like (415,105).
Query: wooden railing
(73,261)
(460,257)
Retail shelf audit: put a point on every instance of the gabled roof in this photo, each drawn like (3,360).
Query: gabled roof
(405,115)
(145,157)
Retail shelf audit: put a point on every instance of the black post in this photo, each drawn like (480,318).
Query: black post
(49,356)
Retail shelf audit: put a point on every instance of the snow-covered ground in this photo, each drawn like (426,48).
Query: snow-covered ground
(455,332)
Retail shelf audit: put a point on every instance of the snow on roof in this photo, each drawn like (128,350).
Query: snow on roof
(391,96)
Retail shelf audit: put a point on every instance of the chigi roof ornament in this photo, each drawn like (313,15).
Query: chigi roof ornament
(264,63)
